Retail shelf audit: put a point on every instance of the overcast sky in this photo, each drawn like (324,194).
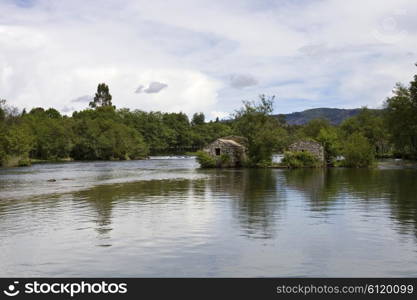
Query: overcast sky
(205,55)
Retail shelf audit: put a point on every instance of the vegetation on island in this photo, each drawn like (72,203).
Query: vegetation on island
(300,159)
(102,132)
(205,160)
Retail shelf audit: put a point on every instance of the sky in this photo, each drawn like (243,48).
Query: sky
(205,56)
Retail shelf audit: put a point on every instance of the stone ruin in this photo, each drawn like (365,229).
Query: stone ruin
(227,152)
(313,147)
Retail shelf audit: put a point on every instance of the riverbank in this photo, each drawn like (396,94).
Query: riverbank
(14,162)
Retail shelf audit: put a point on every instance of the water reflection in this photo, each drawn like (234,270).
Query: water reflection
(253,196)
(376,189)
(101,200)
(252,222)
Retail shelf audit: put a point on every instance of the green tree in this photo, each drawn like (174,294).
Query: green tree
(254,121)
(401,112)
(198,119)
(358,152)
(106,139)
(413,89)
(52,135)
(179,130)
(16,144)
(2,143)
(18,141)
(370,124)
(312,128)
(2,110)
(102,97)
(53,113)
(330,139)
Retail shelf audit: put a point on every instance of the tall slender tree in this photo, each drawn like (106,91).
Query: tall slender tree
(102,97)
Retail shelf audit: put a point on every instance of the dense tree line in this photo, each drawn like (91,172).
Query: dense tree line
(103,132)
(100,132)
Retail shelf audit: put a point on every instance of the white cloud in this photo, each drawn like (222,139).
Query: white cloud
(310,54)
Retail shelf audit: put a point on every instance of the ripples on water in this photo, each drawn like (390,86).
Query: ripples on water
(164,217)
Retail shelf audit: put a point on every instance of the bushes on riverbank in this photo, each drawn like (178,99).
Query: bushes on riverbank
(300,160)
(205,160)
(358,152)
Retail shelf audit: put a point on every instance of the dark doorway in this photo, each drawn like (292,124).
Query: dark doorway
(217,151)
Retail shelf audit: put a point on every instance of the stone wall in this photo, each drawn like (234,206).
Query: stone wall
(222,148)
(309,146)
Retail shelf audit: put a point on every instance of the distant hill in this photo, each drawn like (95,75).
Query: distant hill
(334,115)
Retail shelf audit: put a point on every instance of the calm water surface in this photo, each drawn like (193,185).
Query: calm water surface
(165,217)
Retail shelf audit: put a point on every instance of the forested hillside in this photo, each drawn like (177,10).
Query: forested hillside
(334,115)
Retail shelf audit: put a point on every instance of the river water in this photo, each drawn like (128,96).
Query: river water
(165,217)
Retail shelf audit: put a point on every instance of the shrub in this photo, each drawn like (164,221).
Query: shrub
(2,150)
(331,142)
(225,158)
(264,164)
(358,152)
(205,160)
(300,160)
(24,162)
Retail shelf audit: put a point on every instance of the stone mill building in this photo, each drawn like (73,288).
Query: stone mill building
(228,151)
(313,147)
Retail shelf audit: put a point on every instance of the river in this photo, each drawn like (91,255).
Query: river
(165,217)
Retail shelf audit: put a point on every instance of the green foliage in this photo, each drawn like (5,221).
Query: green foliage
(18,141)
(2,110)
(224,159)
(370,124)
(24,162)
(52,113)
(105,139)
(172,132)
(103,132)
(330,139)
(102,97)
(198,119)
(312,129)
(413,89)
(263,164)
(358,152)
(401,112)
(263,131)
(15,144)
(300,160)
(52,134)
(151,126)
(179,129)
(2,146)
(205,160)
(203,134)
